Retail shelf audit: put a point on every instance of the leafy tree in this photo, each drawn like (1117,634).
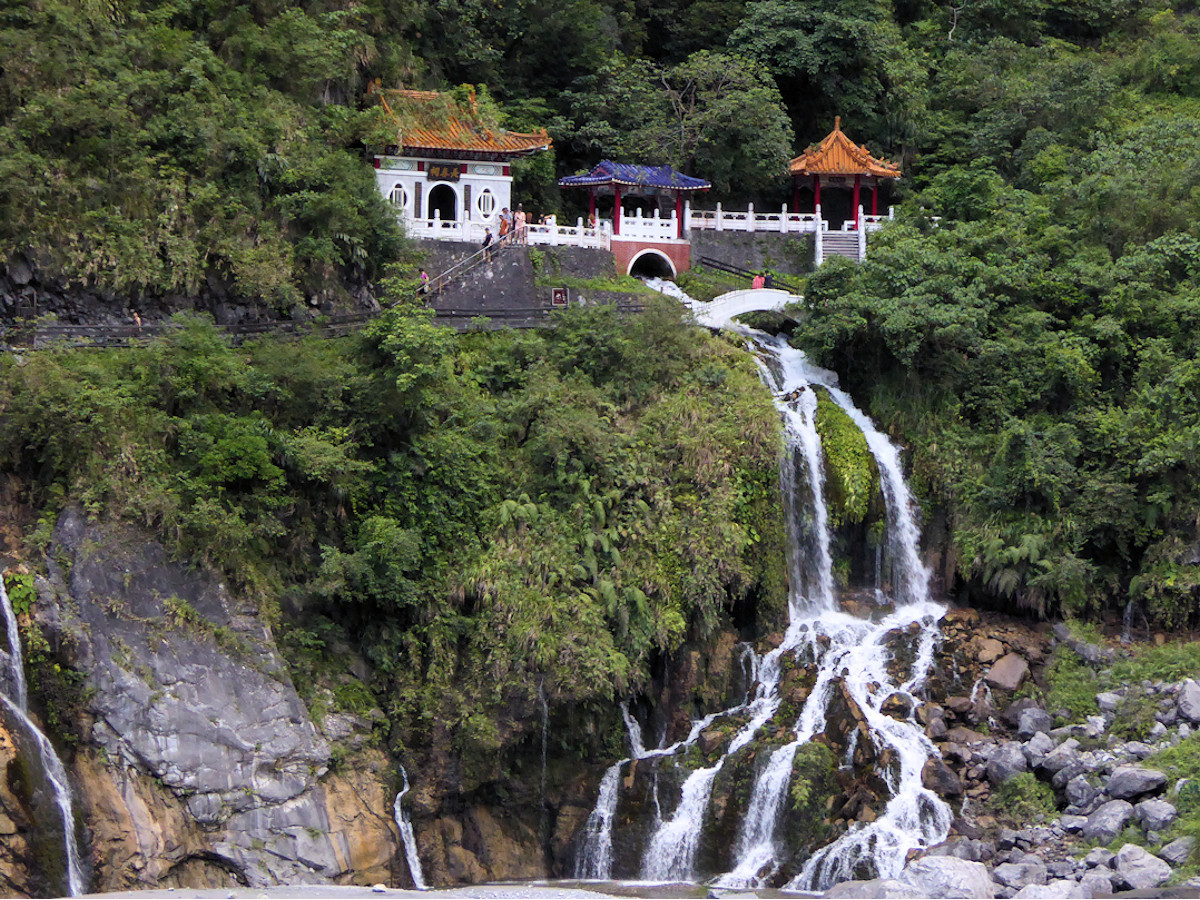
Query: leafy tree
(714,115)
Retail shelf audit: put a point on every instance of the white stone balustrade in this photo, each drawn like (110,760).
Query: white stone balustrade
(637,226)
(653,227)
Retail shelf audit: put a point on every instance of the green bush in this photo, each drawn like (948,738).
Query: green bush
(1071,686)
(1023,800)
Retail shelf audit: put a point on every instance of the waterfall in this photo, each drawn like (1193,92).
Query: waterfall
(594,861)
(851,656)
(407,837)
(16,660)
(51,765)
(672,851)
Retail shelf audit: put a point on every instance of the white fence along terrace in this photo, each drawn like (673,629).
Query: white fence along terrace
(658,228)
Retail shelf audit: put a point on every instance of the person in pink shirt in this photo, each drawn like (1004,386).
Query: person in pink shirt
(522,236)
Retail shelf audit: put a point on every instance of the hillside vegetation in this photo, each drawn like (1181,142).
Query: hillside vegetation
(1028,327)
(481,516)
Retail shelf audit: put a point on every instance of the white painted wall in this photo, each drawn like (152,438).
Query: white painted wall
(486,180)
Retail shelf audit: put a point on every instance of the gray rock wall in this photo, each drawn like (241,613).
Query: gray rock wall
(192,704)
(788,254)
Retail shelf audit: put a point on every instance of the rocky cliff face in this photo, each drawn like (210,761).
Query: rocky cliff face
(200,765)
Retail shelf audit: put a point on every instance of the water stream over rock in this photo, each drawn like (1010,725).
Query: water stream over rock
(407,837)
(856,672)
(39,745)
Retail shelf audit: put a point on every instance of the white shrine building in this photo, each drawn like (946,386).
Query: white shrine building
(449,174)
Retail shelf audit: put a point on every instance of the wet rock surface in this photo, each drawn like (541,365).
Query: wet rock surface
(202,765)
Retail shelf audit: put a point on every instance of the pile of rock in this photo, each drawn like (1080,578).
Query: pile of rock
(1102,784)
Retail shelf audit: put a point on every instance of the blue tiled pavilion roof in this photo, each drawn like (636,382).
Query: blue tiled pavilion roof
(629,175)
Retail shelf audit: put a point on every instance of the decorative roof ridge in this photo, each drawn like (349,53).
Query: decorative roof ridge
(437,120)
(836,154)
(635,175)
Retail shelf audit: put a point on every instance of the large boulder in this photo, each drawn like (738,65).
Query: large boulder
(1061,889)
(1033,720)
(1178,851)
(1037,747)
(1155,814)
(946,877)
(1065,754)
(1080,791)
(1128,782)
(1108,821)
(1007,762)
(1096,882)
(1030,870)
(940,778)
(1007,673)
(1188,702)
(989,651)
(1138,869)
(875,889)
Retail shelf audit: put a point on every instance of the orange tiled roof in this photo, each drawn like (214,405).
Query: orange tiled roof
(429,120)
(838,155)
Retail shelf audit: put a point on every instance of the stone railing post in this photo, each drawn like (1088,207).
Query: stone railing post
(582,238)
(783,222)
(862,236)
(750,216)
(720,220)
(687,219)
(818,251)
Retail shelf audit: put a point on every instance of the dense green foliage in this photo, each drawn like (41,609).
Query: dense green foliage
(1024,800)
(1028,327)
(851,476)
(1037,346)
(482,513)
(152,146)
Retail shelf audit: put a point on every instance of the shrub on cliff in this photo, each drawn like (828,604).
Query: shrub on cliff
(479,513)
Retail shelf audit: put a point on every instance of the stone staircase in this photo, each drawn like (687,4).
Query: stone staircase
(840,243)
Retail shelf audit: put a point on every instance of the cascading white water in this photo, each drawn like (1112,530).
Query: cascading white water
(850,654)
(595,858)
(56,774)
(672,851)
(20,691)
(407,837)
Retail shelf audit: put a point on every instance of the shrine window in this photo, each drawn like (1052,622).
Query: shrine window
(486,203)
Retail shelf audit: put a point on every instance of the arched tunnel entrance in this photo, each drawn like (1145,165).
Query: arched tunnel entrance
(651,264)
(444,201)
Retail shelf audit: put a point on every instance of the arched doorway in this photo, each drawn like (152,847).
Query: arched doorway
(651,264)
(443,203)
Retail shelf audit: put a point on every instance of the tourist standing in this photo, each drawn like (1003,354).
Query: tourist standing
(506,223)
(519,224)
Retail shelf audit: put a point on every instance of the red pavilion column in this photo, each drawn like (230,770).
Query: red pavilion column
(875,199)
(591,206)
(679,214)
(854,203)
(616,208)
